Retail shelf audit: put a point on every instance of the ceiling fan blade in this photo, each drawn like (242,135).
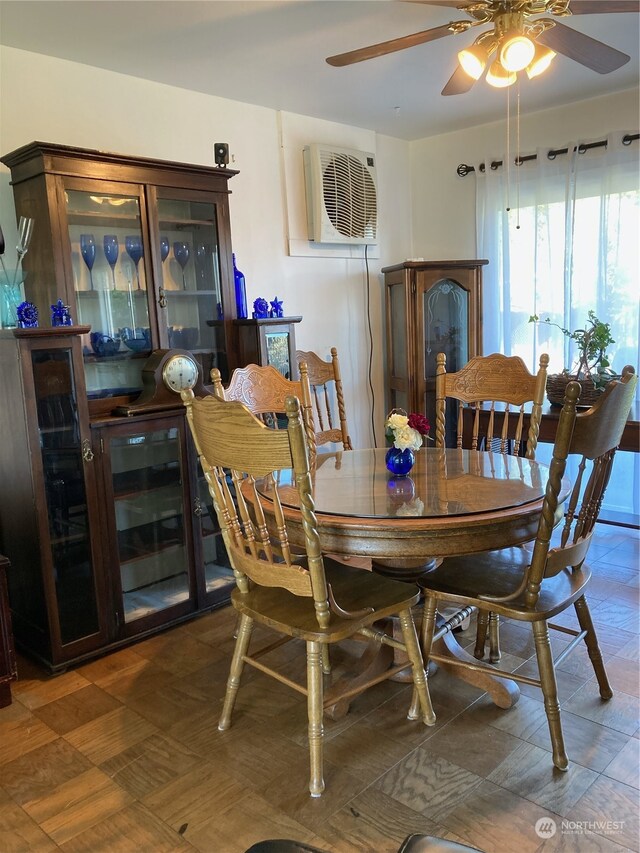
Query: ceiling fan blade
(385,47)
(585,50)
(602,7)
(458,83)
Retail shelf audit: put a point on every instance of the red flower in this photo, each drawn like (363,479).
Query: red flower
(420,423)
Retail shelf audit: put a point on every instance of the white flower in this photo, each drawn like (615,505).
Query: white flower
(396,421)
(406,437)
(414,507)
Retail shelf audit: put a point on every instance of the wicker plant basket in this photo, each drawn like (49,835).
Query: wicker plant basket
(557,382)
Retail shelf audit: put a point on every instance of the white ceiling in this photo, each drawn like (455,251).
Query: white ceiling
(272,53)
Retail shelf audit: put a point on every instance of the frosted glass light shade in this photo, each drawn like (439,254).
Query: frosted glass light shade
(540,62)
(473,60)
(516,52)
(499,77)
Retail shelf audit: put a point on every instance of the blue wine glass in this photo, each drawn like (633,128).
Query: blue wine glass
(111,250)
(88,250)
(164,248)
(182,253)
(133,245)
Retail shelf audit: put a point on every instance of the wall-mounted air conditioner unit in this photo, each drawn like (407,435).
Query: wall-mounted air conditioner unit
(342,199)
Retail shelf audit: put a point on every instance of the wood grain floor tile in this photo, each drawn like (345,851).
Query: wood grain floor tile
(77,805)
(624,675)
(428,783)
(231,830)
(609,800)
(193,798)
(617,615)
(625,767)
(631,650)
(620,713)
(150,764)
(180,658)
(19,833)
(472,745)
(34,774)
(521,720)
(115,663)
(136,680)
(495,820)
(529,773)
(21,732)
(567,683)
(132,830)
(110,734)
(77,708)
(587,743)
(373,821)
(583,842)
(39,691)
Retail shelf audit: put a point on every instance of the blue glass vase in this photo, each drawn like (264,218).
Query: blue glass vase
(241,293)
(399,462)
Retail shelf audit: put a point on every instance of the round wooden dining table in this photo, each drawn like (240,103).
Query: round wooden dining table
(453,502)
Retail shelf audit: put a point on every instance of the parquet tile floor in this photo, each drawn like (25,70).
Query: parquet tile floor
(122,755)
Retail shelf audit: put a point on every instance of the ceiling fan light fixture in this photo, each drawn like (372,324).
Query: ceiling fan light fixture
(499,77)
(473,60)
(540,62)
(516,52)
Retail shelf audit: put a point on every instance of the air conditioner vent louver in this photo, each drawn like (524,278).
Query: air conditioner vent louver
(342,203)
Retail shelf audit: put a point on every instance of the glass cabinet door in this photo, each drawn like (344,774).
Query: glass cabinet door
(218,574)
(148,474)
(63,456)
(110,281)
(191,281)
(446,324)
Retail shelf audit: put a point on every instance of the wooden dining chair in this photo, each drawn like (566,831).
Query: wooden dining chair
(503,386)
(536,585)
(309,598)
(329,414)
(264,390)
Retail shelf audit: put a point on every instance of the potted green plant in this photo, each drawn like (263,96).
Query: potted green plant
(592,368)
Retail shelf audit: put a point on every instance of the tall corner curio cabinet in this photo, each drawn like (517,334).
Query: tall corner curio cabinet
(106,518)
(431,307)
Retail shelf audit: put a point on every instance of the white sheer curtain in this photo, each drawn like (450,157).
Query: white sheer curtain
(575,250)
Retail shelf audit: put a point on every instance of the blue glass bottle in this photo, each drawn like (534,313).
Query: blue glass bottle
(241,293)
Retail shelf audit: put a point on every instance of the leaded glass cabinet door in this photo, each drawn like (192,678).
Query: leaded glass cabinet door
(150,532)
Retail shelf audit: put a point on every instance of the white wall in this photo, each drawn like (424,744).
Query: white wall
(51,100)
(443,205)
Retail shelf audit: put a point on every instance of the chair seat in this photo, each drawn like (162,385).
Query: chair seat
(499,573)
(353,589)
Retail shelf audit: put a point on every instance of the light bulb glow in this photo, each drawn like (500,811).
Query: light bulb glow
(499,77)
(516,52)
(540,62)
(473,60)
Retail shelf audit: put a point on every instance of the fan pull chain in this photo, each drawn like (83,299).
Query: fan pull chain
(508,150)
(518,161)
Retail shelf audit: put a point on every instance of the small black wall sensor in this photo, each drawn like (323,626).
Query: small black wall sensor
(221,153)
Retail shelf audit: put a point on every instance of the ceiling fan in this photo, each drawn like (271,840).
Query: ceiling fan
(518,39)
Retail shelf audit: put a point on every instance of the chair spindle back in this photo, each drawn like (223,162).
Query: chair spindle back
(329,413)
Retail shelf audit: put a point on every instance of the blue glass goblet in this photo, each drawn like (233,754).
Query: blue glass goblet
(111,249)
(182,253)
(164,248)
(133,245)
(88,250)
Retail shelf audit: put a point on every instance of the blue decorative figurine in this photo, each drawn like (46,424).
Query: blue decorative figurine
(260,309)
(27,315)
(276,308)
(60,315)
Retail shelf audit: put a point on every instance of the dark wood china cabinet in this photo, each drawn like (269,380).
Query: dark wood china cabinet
(106,519)
(431,307)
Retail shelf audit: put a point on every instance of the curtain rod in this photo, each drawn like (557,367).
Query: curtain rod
(463,170)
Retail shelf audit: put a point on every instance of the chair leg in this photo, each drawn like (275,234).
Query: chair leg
(314,710)
(550,693)
(244,628)
(494,638)
(326,660)
(426,641)
(591,640)
(421,689)
(481,634)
